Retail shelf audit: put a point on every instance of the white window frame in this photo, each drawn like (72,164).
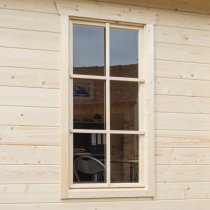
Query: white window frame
(146,147)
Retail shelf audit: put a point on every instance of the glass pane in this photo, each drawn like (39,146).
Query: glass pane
(123,53)
(124,105)
(89,101)
(88,49)
(124,158)
(89,158)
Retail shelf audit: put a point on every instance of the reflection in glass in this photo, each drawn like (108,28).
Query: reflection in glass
(124,158)
(88,49)
(89,157)
(124,105)
(89,101)
(123,53)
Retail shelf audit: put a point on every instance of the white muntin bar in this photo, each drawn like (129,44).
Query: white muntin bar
(106,131)
(87,131)
(126,132)
(126,79)
(141,102)
(79,76)
(107,58)
(89,185)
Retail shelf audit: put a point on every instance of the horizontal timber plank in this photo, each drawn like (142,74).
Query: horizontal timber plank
(183,20)
(175,35)
(47,6)
(182,104)
(116,205)
(27,77)
(104,11)
(182,191)
(174,156)
(29,135)
(182,133)
(29,20)
(174,52)
(21,96)
(29,174)
(178,5)
(33,116)
(21,154)
(29,39)
(29,58)
(46,193)
(182,70)
(181,121)
(182,142)
(171,86)
(120,12)
(29,193)
(182,173)
(182,139)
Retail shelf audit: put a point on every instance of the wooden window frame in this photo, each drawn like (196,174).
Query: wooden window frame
(124,190)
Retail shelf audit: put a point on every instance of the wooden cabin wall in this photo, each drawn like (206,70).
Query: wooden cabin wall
(29,111)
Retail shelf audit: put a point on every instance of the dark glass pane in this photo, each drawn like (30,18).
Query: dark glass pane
(89,101)
(124,105)
(124,158)
(123,53)
(89,157)
(88,50)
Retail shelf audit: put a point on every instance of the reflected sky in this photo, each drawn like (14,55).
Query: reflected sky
(123,47)
(88,46)
(89,41)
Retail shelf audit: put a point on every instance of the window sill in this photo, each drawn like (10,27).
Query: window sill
(109,193)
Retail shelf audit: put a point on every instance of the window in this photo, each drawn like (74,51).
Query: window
(107,109)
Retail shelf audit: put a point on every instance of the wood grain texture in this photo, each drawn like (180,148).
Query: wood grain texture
(176,35)
(29,135)
(182,104)
(29,174)
(182,87)
(48,193)
(133,14)
(182,121)
(18,19)
(27,77)
(31,116)
(202,6)
(45,6)
(29,58)
(182,173)
(20,154)
(183,156)
(29,39)
(182,139)
(115,205)
(29,193)
(183,142)
(183,191)
(26,155)
(182,70)
(182,53)
(19,96)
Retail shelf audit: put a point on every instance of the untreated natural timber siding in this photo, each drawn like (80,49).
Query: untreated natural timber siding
(29,109)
